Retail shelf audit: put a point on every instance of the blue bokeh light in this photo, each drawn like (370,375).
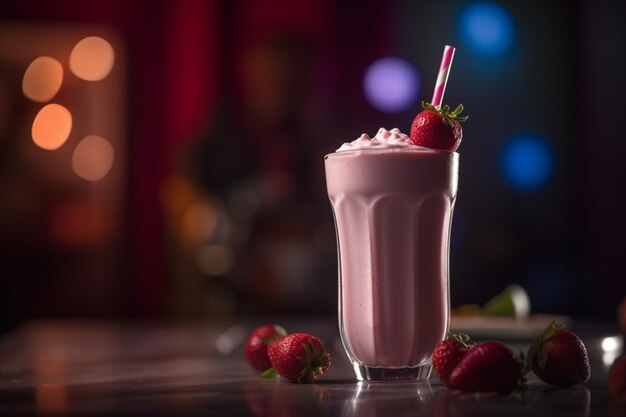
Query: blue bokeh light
(527,162)
(486,28)
(391,85)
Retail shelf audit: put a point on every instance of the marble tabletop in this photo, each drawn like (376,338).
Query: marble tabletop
(178,369)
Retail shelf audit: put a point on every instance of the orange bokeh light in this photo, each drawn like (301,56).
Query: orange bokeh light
(52,126)
(92,58)
(199,222)
(42,79)
(93,158)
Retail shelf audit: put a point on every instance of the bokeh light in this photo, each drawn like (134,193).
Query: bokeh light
(612,348)
(42,79)
(52,126)
(527,162)
(391,85)
(232,338)
(93,158)
(199,223)
(486,28)
(215,259)
(92,58)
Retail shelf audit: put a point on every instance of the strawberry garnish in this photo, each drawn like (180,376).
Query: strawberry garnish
(558,357)
(448,353)
(299,357)
(487,367)
(617,378)
(438,128)
(259,340)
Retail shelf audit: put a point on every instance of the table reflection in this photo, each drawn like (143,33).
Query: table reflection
(574,401)
(375,399)
(275,398)
(103,369)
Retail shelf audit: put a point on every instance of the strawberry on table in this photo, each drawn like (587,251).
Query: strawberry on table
(259,340)
(558,357)
(299,357)
(448,353)
(487,367)
(438,129)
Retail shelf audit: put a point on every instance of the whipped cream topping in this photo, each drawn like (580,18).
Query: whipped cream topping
(384,139)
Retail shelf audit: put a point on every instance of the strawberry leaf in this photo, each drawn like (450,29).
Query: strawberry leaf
(269,373)
(428,106)
(314,362)
(457,111)
(462,338)
(445,113)
(280,330)
(536,350)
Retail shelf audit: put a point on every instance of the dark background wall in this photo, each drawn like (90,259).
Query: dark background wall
(230,107)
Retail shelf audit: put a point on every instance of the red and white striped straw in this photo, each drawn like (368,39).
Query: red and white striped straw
(442,78)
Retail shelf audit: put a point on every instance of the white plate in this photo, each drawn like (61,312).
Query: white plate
(483,327)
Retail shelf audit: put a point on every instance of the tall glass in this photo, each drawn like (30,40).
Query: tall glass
(392,209)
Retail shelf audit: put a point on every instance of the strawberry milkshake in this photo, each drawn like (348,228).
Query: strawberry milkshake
(392,201)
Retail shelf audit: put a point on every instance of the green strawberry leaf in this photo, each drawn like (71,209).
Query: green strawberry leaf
(447,116)
(313,362)
(462,338)
(428,106)
(537,350)
(269,373)
(542,357)
(457,111)
(280,330)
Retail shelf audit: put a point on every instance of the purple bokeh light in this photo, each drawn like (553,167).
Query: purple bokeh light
(391,85)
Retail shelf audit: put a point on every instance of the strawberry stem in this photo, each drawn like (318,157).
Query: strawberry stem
(314,362)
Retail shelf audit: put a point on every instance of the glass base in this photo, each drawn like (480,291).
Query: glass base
(367,373)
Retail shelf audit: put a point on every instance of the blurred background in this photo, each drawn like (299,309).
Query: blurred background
(164,159)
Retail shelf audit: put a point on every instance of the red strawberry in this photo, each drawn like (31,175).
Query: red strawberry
(438,129)
(448,353)
(256,347)
(299,357)
(617,378)
(558,357)
(488,366)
